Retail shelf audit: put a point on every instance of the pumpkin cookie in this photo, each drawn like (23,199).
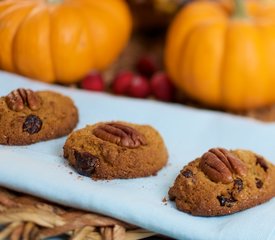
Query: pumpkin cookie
(223,182)
(116,150)
(28,117)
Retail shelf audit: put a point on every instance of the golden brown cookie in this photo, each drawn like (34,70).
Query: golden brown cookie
(116,150)
(223,182)
(28,117)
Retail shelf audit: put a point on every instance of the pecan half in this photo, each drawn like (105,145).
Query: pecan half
(19,98)
(219,165)
(120,134)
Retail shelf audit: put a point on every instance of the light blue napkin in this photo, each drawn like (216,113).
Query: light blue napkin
(40,170)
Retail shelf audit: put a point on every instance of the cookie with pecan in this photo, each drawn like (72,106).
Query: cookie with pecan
(222,182)
(28,116)
(116,150)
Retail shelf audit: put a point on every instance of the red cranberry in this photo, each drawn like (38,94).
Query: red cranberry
(127,83)
(93,82)
(139,87)
(122,82)
(146,66)
(162,87)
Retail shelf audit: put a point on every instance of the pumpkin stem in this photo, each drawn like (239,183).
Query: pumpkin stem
(240,9)
(54,1)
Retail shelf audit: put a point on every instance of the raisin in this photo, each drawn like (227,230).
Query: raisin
(86,163)
(224,201)
(260,160)
(259,183)
(238,184)
(187,173)
(32,124)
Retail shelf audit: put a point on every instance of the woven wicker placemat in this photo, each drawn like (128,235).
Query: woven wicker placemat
(24,217)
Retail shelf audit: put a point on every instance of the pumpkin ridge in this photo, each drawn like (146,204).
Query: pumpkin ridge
(5,6)
(116,17)
(222,72)
(268,36)
(37,23)
(189,83)
(103,9)
(187,64)
(15,35)
(9,11)
(172,57)
(50,43)
(243,78)
(85,18)
(213,84)
(79,47)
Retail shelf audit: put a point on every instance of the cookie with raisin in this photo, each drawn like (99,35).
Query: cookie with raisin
(116,150)
(223,182)
(28,116)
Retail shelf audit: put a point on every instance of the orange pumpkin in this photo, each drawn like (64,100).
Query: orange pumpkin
(221,57)
(61,40)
